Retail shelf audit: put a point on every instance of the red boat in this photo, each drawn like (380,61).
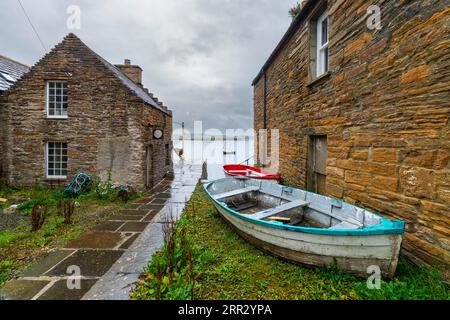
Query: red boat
(234,170)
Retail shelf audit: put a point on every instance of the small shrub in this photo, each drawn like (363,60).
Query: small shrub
(69,208)
(38,216)
(104,189)
(295,10)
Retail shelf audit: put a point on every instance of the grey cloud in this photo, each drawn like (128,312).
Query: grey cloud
(199,56)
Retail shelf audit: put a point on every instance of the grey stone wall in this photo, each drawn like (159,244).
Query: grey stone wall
(105,129)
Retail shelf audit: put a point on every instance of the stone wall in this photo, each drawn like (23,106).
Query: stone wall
(104,130)
(384,107)
(2,142)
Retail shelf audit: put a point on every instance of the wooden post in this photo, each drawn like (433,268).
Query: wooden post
(204,171)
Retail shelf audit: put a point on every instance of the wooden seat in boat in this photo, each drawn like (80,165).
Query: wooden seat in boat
(284,207)
(242,205)
(235,192)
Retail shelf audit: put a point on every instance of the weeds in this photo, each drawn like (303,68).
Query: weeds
(171,274)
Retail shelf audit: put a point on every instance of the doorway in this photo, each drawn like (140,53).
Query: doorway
(317,164)
(149,167)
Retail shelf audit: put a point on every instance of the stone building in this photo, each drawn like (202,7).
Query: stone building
(10,72)
(74,111)
(363,111)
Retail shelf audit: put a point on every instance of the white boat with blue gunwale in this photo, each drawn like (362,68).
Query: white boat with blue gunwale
(307,228)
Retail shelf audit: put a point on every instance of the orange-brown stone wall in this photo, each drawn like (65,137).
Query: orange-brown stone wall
(385,109)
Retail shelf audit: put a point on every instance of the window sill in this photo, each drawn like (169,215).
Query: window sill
(60,178)
(57,118)
(319,79)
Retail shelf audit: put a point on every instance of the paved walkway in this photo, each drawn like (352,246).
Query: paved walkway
(114,254)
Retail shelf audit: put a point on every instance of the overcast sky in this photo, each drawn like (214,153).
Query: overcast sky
(199,56)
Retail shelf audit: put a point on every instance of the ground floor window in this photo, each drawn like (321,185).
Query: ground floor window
(56,160)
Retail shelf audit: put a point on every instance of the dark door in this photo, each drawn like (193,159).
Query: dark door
(149,167)
(317,168)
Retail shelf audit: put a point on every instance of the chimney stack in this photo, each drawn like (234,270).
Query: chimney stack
(133,72)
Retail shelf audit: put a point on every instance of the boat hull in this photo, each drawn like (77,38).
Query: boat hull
(352,253)
(238,170)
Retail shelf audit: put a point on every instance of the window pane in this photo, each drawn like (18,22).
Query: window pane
(325,60)
(51,172)
(324,31)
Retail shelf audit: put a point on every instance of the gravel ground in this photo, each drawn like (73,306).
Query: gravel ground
(9,221)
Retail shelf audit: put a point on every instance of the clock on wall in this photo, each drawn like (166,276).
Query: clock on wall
(157,133)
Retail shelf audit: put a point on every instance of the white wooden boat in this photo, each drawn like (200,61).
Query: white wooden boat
(307,228)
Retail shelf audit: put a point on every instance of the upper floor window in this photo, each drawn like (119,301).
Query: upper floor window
(57,99)
(322,45)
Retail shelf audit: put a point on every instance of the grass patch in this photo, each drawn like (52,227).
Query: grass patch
(227,267)
(19,246)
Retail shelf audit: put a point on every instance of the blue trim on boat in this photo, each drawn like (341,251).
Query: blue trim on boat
(385,227)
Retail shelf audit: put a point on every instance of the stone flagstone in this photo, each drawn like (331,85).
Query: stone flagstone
(113,255)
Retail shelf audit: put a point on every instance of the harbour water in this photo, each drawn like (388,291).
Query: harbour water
(198,151)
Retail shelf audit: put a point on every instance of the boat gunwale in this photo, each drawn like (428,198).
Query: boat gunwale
(386,227)
(266,175)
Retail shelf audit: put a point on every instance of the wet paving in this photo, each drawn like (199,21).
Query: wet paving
(111,257)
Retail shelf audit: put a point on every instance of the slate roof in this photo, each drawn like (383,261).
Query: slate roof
(132,85)
(10,72)
(138,90)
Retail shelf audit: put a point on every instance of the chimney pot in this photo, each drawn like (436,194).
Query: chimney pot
(132,72)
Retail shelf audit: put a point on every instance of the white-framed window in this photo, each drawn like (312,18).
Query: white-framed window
(56,99)
(56,160)
(322,45)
